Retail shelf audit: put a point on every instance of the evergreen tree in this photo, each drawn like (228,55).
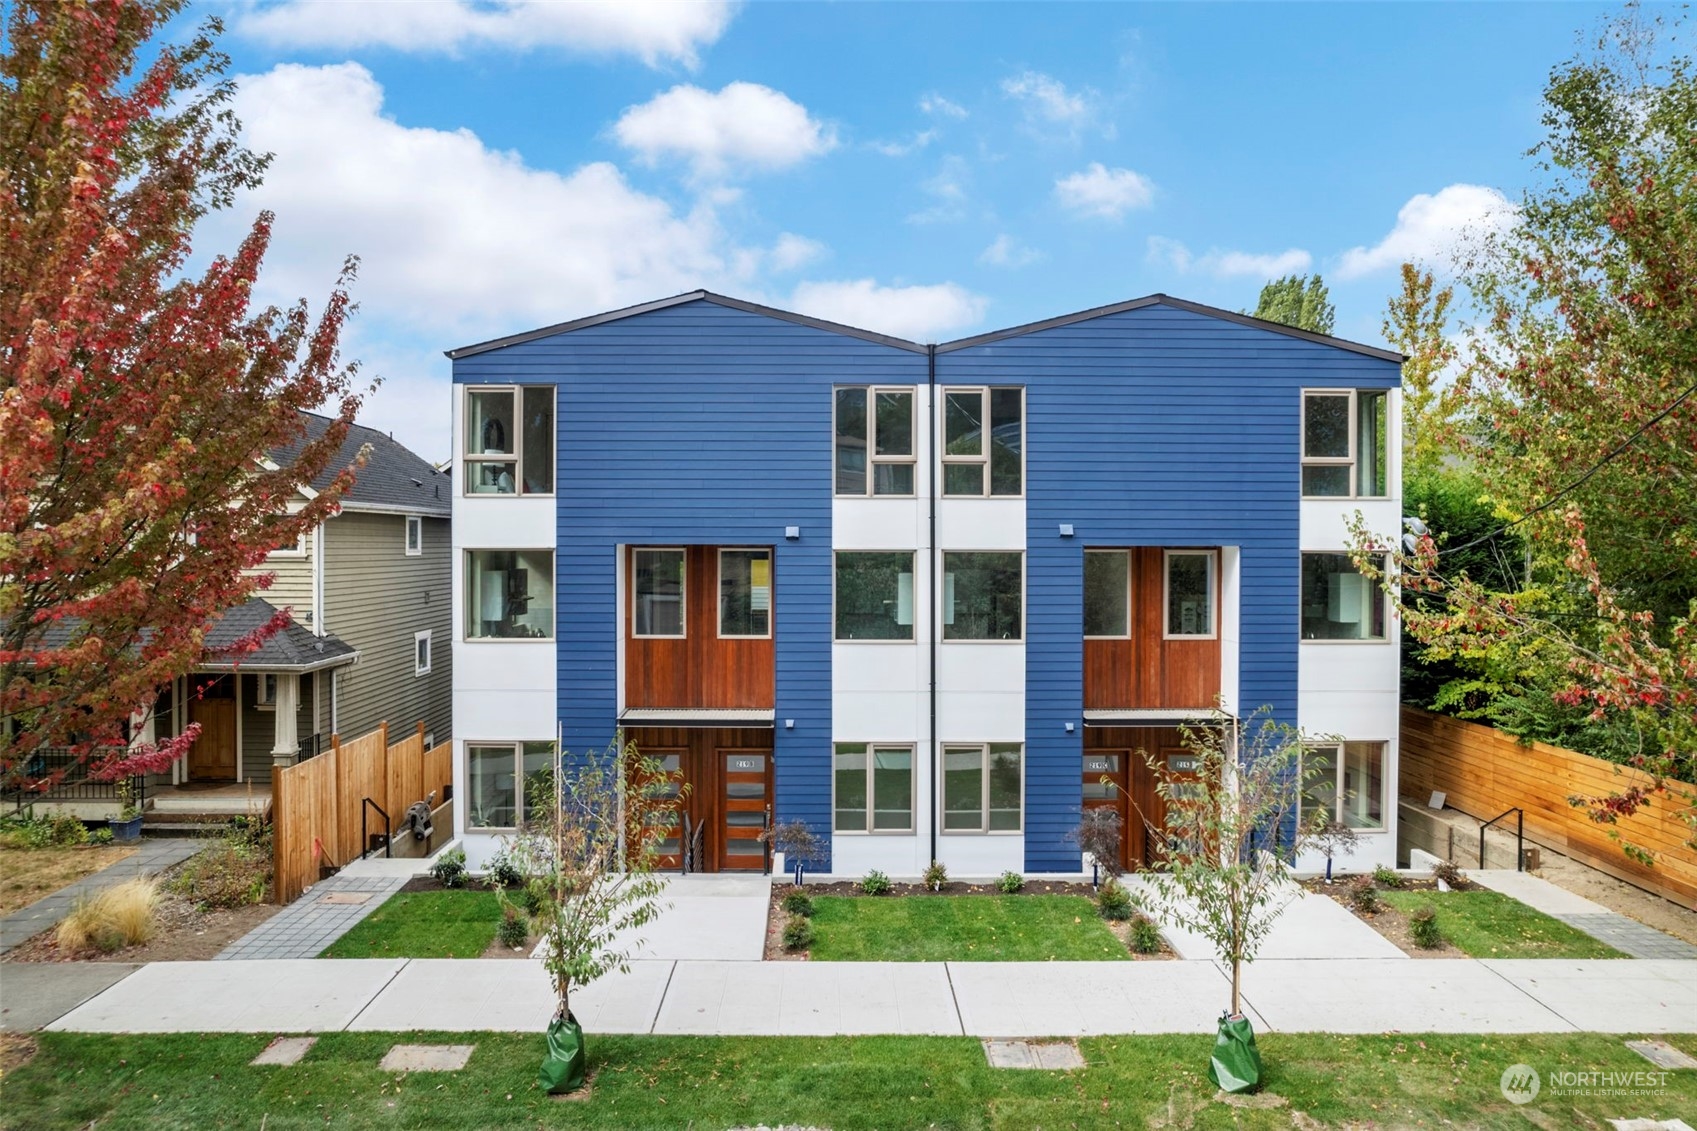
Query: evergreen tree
(1299,302)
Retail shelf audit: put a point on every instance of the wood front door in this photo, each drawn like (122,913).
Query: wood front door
(745,798)
(1104,787)
(213,755)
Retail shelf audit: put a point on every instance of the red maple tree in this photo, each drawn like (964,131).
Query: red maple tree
(138,398)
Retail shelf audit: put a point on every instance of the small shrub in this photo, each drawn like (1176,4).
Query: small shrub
(1363,896)
(800,903)
(503,873)
(1011,883)
(1112,900)
(514,929)
(1423,928)
(1387,877)
(533,902)
(234,871)
(875,883)
(65,831)
(449,868)
(936,876)
(798,933)
(100,837)
(114,918)
(1452,875)
(1145,936)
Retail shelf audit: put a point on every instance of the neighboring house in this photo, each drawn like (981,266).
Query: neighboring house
(369,593)
(923,597)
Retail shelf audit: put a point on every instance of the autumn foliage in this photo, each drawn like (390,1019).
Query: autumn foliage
(139,392)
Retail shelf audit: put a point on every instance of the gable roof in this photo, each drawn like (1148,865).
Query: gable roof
(945,347)
(394,480)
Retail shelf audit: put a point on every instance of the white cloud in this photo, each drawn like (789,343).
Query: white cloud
(941,107)
(1005,251)
(654,31)
(918,313)
(1047,99)
(1432,228)
(793,251)
(914,144)
(1104,192)
(1226,264)
(744,125)
(947,190)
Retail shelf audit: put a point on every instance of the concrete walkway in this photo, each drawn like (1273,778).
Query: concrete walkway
(1310,926)
(1003,999)
(1628,936)
(152,857)
(324,913)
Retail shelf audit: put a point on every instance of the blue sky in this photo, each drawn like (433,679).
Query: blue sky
(929,170)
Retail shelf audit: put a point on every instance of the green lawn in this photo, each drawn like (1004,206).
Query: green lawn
(150,1083)
(1489,924)
(961,928)
(424,924)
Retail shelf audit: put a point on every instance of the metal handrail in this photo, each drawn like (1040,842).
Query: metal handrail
(388,832)
(1519,837)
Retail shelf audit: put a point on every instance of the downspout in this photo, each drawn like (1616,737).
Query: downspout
(932,566)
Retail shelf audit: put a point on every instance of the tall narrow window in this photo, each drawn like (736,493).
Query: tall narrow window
(508,444)
(1345,438)
(983,788)
(1338,602)
(421,653)
(983,596)
(537,439)
(874,596)
(984,442)
(415,535)
(1190,593)
(1107,593)
(658,593)
(509,594)
(874,442)
(1346,783)
(745,593)
(504,781)
(873,788)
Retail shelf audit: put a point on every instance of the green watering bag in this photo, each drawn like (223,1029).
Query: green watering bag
(563,1068)
(1236,1063)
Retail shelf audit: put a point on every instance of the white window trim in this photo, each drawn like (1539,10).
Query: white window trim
(983,829)
(873,460)
(1354,398)
(429,653)
(260,701)
(413,522)
(517,749)
(298,550)
(683,593)
(719,611)
(514,457)
(871,797)
(913,628)
(553,587)
(1384,745)
(1213,632)
(983,457)
(1130,592)
(943,590)
(1384,608)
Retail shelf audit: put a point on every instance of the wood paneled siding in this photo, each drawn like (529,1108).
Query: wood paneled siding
(375,598)
(698,424)
(699,670)
(1145,669)
(1153,426)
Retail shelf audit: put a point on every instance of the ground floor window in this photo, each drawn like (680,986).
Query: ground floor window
(497,777)
(1346,781)
(983,787)
(873,785)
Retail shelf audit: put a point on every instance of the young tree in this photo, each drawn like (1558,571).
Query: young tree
(1295,301)
(588,846)
(1416,324)
(137,400)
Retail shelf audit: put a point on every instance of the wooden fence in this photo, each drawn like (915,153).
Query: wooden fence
(1483,772)
(317,804)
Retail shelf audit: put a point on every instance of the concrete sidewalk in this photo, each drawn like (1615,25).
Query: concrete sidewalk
(1006,999)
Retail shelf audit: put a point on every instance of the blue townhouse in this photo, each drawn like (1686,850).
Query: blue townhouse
(923,597)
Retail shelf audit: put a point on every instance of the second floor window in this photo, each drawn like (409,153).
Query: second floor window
(509,594)
(874,595)
(1190,593)
(509,440)
(1338,602)
(745,593)
(983,596)
(1107,593)
(874,442)
(658,593)
(1344,443)
(983,442)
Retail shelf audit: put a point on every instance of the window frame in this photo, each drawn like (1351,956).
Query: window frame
(1337,748)
(870,749)
(429,653)
(414,547)
(1130,590)
(982,459)
(465,594)
(519,800)
(912,636)
(942,636)
(983,749)
(515,457)
(1385,611)
(1213,559)
(265,691)
(719,590)
(298,550)
(1352,461)
(873,460)
(683,593)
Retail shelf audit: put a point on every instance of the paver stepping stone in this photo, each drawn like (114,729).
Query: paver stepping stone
(1050,1055)
(284,1051)
(347,897)
(427,1058)
(1650,1125)
(1662,1055)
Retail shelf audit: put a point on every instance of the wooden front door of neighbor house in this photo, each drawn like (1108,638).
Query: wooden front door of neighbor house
(1104,787)
(744,800)
(213,755)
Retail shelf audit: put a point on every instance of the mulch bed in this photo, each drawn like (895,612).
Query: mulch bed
(1388,921)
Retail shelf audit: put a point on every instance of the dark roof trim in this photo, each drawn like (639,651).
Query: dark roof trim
(679,300)
(1179,304)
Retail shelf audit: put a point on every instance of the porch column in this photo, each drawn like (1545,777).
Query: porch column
(285,751)
(143,730)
